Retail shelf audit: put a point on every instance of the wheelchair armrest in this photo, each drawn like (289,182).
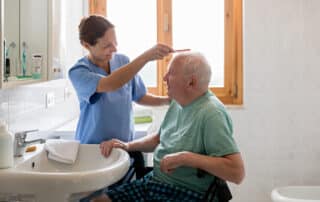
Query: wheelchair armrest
(218,188)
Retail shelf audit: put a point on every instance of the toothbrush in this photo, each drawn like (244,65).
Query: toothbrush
(24,58)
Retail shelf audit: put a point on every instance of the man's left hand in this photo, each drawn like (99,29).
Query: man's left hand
(171,161)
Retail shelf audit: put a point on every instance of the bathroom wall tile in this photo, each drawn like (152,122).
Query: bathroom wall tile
(26,107)
(4,105)
(17,100)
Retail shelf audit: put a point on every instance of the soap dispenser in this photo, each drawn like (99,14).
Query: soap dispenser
(6,146)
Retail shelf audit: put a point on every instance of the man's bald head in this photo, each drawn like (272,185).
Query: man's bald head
(194,63)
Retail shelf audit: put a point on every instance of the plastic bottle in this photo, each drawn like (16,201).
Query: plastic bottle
(36,66)
(6,146)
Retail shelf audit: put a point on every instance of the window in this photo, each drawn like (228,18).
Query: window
(211,27)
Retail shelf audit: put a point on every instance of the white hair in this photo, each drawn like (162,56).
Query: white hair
(195,63)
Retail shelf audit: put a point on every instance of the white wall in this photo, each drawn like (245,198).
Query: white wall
(279,128)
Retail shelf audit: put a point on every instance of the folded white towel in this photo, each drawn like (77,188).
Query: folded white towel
(64,151)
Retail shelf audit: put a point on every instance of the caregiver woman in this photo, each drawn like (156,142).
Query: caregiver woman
(106,83)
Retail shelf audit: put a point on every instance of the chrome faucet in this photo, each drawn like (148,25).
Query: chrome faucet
(20,142)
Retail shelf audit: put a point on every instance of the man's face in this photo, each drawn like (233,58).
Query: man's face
(176,82)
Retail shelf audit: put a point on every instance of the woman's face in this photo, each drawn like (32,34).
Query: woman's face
(105,46)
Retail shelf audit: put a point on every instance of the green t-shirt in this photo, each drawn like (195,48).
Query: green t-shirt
(202,127)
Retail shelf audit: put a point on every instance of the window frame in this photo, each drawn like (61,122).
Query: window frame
(232,92)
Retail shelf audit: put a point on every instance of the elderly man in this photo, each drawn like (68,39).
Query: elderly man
(196,134)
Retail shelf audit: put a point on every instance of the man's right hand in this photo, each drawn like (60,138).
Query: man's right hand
(107,146)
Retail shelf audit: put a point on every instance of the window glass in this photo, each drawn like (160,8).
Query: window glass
(136,30)
(199,25)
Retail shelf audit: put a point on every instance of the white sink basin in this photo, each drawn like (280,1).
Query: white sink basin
(49,181)
(296,194)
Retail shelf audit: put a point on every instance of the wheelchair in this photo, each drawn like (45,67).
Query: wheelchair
(218,188)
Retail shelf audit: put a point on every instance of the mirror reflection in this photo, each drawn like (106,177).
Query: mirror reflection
(25,40)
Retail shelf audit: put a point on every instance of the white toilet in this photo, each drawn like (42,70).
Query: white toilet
(296,194)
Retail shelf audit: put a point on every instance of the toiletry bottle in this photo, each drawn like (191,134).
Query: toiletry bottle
(36,66)
(6,146)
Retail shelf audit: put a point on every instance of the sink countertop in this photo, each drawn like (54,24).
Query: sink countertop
(69,126)
(27,155)
(67,131)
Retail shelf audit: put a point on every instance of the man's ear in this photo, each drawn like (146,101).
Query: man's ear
(192,82)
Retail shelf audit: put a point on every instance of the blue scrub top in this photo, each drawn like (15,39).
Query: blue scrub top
(106,115)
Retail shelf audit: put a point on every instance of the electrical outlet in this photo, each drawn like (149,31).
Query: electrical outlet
(67,93)
(49,99)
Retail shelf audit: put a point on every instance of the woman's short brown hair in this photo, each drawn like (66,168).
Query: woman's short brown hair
(92,28)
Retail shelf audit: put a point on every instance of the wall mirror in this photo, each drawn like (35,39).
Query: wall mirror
(39,39)
(25,43)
